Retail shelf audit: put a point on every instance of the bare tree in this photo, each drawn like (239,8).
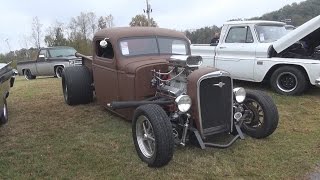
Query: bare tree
(109,21)
(36,32)
(92,19)
(105,22)
(55,35)
(102,23)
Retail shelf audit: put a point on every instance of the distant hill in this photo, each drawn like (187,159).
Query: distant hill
(298,13)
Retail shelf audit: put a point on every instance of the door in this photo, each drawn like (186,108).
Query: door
(43,65)
(105,73)
(236,53)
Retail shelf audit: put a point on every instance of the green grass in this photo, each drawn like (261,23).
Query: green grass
(45,138)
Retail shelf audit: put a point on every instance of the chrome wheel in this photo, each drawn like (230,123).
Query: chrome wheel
(145,136)
(5,111)
(59,71)
(27,74)
(256,117)
(65,93)
(287,81)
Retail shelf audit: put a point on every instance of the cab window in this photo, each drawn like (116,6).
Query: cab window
(239,35)
(44,52)
(106,52)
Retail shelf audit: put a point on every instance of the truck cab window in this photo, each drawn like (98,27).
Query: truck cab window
(239,35)
(106,52)
(44,52)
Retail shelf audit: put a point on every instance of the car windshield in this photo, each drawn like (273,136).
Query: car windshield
(153,46)
(270,33)
(62,52)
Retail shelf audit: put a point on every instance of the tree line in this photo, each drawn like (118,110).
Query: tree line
(79,32)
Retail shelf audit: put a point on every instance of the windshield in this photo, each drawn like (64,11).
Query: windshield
(62,52)
(270,33)
(153,46)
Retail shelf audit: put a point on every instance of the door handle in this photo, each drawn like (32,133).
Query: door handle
(222,47)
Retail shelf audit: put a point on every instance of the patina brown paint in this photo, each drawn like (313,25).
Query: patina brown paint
(127,78)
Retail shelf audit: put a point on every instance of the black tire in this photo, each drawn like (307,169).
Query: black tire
(161,129)
(263,118)
(289,80)
(76,85)
(28,75)
(4,113)
(58,71)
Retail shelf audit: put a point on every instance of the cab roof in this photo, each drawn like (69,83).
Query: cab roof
(122,32)
(255,22)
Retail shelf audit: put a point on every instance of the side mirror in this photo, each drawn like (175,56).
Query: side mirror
(15,72)
(41,57)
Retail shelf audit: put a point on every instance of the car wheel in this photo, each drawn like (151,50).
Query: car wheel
(263,118)
(152,135)
(4,113)
(76,85)
(288,80)
(28,75)
(59,71)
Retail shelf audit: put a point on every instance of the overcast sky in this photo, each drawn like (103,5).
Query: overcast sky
(16,15)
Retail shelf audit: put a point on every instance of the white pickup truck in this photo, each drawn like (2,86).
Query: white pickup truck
(265,51)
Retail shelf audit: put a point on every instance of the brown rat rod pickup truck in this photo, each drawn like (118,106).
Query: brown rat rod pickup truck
(148,76)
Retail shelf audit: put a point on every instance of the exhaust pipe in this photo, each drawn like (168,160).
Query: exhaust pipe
(133,104)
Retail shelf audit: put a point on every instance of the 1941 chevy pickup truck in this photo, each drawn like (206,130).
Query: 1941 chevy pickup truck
(50,62)
(266,51)
(147,75)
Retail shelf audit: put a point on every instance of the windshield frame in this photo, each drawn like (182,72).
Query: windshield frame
(187,45)
(271,25)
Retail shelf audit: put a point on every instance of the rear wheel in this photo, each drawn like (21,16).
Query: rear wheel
(263,118)
(152,135)
(4,113)
(28,75)
(58,71)
(288,80)
(76,85)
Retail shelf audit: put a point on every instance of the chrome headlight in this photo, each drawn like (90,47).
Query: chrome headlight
(239,94)
(183,102)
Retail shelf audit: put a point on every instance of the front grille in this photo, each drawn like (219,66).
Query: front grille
(215,100)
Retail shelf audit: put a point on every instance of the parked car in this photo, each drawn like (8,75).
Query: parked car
(7,78)
(50,62)
(147,75)
(265,51)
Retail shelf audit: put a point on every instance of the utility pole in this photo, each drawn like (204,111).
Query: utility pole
(148,11)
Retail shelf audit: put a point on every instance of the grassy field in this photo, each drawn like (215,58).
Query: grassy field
(45,138)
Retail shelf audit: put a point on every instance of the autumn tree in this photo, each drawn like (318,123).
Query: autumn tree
(36,32)
(141,20)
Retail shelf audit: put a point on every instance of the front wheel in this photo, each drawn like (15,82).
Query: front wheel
(4,113)
(263,118)
(152,135)
(59,71)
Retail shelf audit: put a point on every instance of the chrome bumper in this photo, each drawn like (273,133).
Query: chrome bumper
(317,83)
